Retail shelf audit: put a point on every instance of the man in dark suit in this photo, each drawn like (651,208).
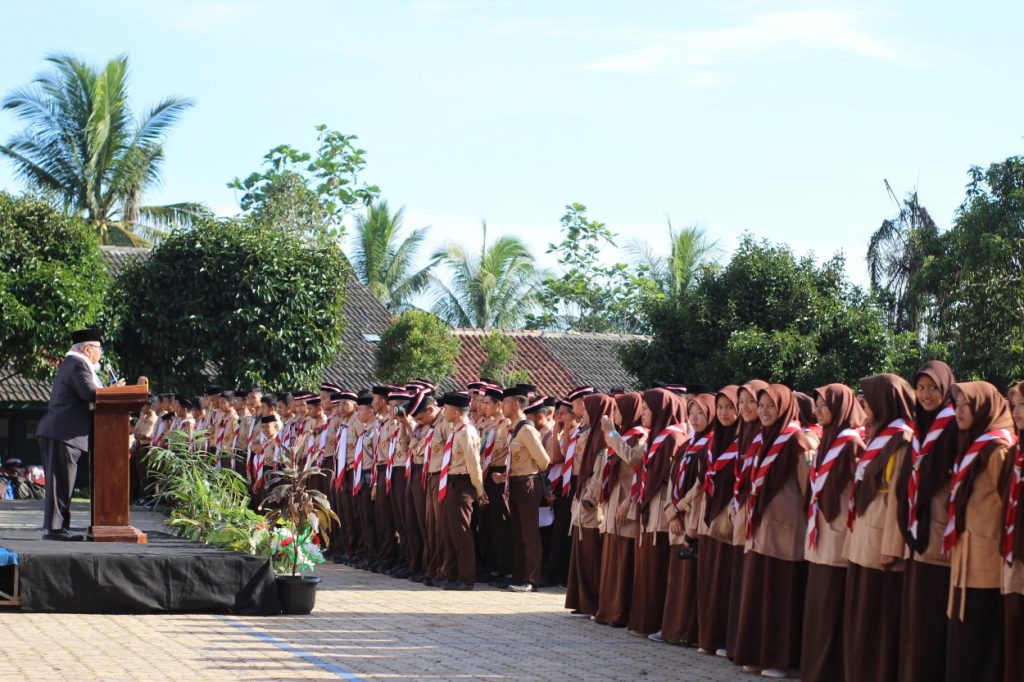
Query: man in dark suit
(64,431)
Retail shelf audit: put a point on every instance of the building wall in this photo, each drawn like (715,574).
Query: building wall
(17,431)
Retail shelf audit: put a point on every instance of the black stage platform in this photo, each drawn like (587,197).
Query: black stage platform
(167,575)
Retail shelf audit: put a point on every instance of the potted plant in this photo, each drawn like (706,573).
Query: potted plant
(300,518)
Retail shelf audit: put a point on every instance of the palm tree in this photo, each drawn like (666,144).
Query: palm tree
(898,253)
(688,248)
(496,288)
(82,145)
(383,263)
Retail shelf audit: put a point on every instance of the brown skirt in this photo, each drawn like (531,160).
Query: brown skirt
(714,578)
(771,612)
(974,649)
(1013,635)
(584,571)
(735,589)
(650,578)
(679,617)
(871,624)
(616,591)
(923,622)
(822,648)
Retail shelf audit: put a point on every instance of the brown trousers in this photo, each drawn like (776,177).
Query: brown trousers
(922,644)
(346,511)
(616,591)
(497,526)
(583,591)
(384,521)
(1013,634)
(435,529)
(556,564)
(365,514)
(396,499)
(459,551)
(415,518)
(524,505)
(714,577)
(650,582)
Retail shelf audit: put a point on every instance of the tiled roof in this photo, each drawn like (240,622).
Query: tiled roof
(556,362)
(120,256)
(355,366)
(19,389)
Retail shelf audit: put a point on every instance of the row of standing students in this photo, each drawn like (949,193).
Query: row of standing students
(840,536)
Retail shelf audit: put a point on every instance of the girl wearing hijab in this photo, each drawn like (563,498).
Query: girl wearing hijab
(831,482)
(714,530)
(774,571)
(1013,547)
(974,534)
(922,496)
(626,438)
(748,444)
(809,417)
(664,414)
(679,616)
(871,612)
(585,563)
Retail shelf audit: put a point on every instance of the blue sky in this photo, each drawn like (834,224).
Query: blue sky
(778,118)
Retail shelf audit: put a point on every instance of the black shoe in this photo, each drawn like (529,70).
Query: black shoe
(418,577)
(405,573)
(428,582)
(398,568)
(544,582)
(457,587)
(501,583)
(62,534)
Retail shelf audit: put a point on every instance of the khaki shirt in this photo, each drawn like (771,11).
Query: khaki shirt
(366,432)
(876,532)
(441,430)
(976,557)
(145,426)
(528,454)
(465,455)
(782,527)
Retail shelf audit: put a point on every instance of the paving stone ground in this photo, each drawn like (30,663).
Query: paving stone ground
(365,626)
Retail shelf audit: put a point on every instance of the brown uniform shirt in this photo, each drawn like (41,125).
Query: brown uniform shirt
(528,454)
(465,456)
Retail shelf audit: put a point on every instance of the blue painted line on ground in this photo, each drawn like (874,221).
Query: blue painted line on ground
(292,649)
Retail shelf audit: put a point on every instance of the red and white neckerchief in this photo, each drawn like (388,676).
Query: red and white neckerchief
(818,476)
(606,471)
(392,447)
(446,463)
(920,450)
(691,449)
(487,450)
(357,465)
(869,455)
(340,457)
(555,478)
(249,462)
(321,444)
(1013,505)
(960,469)
(252,432)
(234,438)
(652,449)
(741,467)
(761,472)
(570,457)
(814,430)
(717,464)
(508,466)
(426,447)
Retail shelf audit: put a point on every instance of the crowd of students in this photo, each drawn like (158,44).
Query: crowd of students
(869,535)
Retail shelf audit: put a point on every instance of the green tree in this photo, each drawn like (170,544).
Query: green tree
(239,303)
(497,288)
(499,360)
(82,144)
(898,253)
(589,296)
(53,279)
(676,272)
(980,275)
(383,260)
(770,315)
(308,193)
(417,344)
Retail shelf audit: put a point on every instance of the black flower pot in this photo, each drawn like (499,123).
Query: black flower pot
(297,593)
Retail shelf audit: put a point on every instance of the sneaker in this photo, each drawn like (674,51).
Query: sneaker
(776,674)
(751,669)
(523,587)
(656,637)
(702,650)
(721,653)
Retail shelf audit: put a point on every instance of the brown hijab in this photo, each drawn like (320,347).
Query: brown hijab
(846,414)
(724,436)
(630,405)
(991,411)
(935,469)
(597,405)
(890,398)
(1018,537)
(785,465)
(748,431)
(666,409)
(697,463)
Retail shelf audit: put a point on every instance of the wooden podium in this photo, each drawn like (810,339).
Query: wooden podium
(111,459)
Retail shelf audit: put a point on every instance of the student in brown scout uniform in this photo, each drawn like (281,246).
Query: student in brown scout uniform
(496,521)
(714,529)
(922,519)
(664,414)
(422,414)
(383,519)
(585,560)
(620,483)
(769,632)
(1013,547)
(435,521)
(831,483)
(459,486)
(566,430)
(396,449)
(523,484)
(360,447)
(974,534)
(679,624)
